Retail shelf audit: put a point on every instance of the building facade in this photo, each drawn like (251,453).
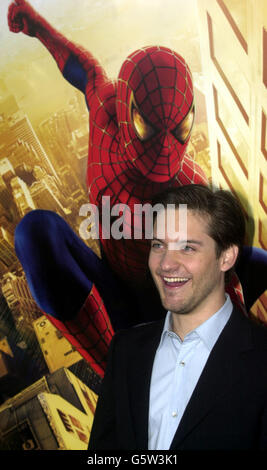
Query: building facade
(233,38)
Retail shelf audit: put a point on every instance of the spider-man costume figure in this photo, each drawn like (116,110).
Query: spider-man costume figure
(139,131)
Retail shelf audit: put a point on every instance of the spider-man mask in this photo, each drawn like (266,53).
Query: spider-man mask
(155,110)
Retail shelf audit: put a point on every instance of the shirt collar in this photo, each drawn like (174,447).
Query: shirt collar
(209,330)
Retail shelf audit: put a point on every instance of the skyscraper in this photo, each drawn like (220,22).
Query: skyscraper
(44,198)
(7,252)
(22,196)
(19,299)
(22,129)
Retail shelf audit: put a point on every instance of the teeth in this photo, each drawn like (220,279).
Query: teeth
(175,279)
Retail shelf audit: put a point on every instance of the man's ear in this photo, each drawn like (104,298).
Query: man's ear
(228,257)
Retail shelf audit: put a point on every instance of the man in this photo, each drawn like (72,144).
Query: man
(197,380)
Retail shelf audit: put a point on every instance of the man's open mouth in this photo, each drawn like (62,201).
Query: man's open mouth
(175,281)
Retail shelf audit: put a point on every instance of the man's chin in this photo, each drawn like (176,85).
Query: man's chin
(177,308)
(173,307)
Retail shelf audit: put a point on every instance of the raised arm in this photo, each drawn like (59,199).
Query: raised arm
(77,65)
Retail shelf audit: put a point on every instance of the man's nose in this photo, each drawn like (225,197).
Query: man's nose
(170,260)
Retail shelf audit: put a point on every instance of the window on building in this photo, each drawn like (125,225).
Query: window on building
(65,421)
(263,135)
(264,62)
(236,13)
(231,131)
(59,334)
(230,176)
(83,437)
(90,404)
(225,58)
(262,235)
(263,193)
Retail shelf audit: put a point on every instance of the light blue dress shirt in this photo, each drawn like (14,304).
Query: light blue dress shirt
(176,370)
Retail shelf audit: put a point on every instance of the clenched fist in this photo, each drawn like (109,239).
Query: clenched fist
(22,17)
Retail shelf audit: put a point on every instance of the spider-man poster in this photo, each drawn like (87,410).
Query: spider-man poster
(107,103)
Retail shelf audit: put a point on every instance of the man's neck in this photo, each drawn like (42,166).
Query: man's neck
(184,323)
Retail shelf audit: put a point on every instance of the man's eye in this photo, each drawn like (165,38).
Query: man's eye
(142,129)
(156,245)
(183,130)
(187,248)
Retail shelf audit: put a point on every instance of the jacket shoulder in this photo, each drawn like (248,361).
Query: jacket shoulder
(139,338)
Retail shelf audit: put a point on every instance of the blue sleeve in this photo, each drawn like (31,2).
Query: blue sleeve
(252,272)
(75,73)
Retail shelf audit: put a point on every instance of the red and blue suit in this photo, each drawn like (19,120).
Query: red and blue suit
(140,126)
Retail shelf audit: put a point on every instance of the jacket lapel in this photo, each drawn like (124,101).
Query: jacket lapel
(223,368)
(139,376)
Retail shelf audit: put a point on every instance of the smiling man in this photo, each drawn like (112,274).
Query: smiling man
(187,382)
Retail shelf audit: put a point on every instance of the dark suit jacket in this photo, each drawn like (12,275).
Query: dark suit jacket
(228,407)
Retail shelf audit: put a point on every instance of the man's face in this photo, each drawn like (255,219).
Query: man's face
(187,273)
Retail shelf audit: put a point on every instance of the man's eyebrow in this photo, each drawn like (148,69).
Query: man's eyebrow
(194,242)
